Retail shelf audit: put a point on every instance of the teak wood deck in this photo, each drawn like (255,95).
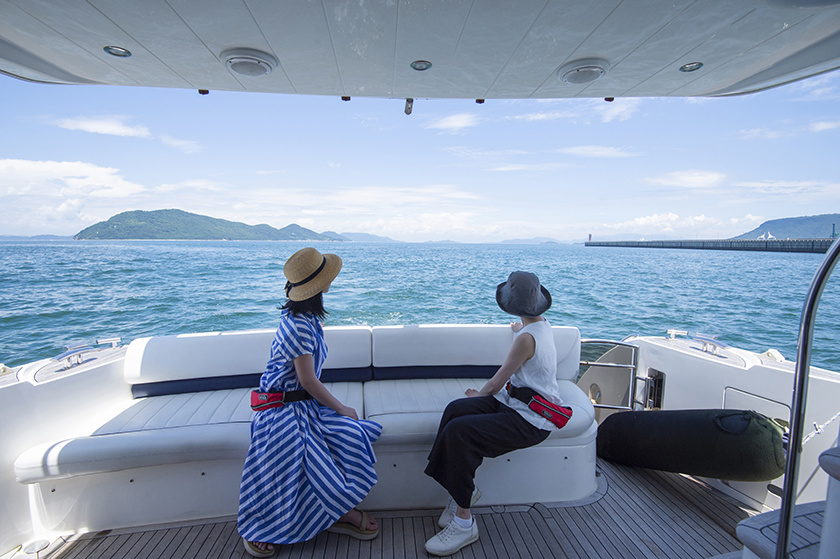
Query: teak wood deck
(635,513)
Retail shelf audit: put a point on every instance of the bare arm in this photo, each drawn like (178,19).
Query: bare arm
(305,369)
(522,349)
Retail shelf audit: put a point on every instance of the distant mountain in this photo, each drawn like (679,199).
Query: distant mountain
(809,227)
(367,238)
(533,241)
(178,224)
(34,238)
(335,236)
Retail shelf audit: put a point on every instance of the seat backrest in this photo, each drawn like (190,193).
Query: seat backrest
(222,360)
(458,351)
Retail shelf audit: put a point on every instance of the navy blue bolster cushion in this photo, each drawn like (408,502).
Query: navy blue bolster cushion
(429,371)
(229,382)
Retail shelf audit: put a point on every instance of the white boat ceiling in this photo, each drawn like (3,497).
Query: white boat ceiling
(478,49)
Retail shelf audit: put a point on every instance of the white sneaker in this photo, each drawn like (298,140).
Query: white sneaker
(449,512)
(452,538)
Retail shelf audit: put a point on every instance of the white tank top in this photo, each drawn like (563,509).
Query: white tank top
(537,373)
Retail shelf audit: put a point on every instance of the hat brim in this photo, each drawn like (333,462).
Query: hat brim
(505,302)
(320,282)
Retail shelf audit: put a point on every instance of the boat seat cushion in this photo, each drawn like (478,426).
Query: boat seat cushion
(409,410)
(452,351)
(169,429)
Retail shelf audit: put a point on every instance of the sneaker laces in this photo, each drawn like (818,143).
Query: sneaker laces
(451,532)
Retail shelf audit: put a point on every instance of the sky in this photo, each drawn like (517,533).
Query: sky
(453,170)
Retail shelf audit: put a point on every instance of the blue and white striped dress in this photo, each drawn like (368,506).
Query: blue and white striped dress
(307,466)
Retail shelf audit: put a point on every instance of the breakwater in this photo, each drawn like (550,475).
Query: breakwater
(771,245)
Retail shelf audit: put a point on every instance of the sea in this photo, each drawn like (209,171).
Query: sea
(56,294)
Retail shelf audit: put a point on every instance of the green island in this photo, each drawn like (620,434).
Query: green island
(181,225)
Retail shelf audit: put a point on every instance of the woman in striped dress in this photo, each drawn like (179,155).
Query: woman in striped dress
(311,459)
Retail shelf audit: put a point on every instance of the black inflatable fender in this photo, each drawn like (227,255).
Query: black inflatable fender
(737,445)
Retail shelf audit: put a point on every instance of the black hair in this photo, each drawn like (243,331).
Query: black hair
(314,306)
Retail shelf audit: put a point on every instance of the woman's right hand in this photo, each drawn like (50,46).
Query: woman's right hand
(347,411)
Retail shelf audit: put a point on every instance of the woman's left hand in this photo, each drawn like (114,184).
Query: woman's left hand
(347,411)
(472,393)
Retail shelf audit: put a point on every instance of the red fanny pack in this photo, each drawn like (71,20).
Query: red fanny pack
(558,415)
(267,400)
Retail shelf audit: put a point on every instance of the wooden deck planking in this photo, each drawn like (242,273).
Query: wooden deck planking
(650,493)
(643,514)
(629,497)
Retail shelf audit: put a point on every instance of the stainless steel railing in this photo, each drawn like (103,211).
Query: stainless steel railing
(800,393)
(631,367)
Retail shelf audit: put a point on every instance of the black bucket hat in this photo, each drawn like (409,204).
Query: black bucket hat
(522,295)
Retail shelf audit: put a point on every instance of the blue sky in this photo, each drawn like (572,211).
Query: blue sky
(71,156)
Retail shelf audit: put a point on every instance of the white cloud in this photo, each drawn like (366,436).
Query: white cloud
(818,88)
(187,146)
(672,225)
(194,185)
(456,123)
(747,220)
(785,188)
(118,126)
(761,134)
(382,210)
(823,126)
(530,167)
(474,153)
(621,109)
(109,125)
(63,178)
(548,115)
(595,151)
(691,179)
(268,173)
(365,200)
(656,221)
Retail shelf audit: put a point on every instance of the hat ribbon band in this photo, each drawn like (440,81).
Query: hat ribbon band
(290,285)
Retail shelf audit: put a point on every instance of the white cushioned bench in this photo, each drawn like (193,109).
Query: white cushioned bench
(186,432)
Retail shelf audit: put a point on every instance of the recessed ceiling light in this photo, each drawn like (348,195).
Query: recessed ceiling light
(117,51)
(421,65)
(581,72)
(691,67)
(249,62)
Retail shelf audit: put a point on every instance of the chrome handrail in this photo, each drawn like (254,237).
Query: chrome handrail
(631,366)
(800,392)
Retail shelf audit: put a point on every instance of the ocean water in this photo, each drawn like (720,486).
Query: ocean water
(56,294)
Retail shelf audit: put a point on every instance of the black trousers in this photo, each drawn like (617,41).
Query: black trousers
(470,429)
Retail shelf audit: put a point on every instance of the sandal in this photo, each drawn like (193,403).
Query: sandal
(255,551)
(350,529)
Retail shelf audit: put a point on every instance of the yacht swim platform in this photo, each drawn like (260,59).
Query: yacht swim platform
(634,513)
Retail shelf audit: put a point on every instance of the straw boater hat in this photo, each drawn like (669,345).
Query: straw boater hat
(522,295)
(309,272)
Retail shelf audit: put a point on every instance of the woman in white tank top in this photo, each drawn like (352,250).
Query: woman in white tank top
(490,422)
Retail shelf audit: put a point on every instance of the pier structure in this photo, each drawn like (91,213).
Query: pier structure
(763,245)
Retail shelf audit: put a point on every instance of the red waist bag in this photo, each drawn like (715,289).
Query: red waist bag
(267,400)
(558,415)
